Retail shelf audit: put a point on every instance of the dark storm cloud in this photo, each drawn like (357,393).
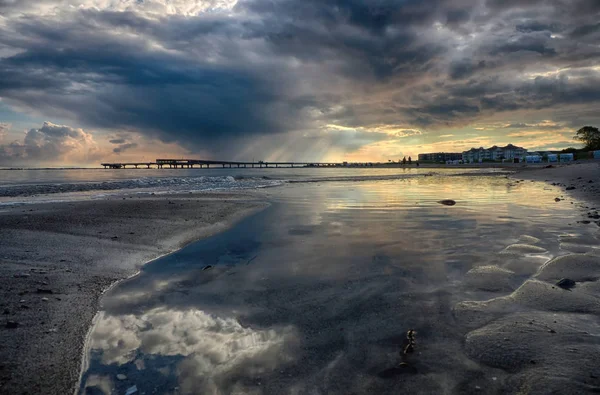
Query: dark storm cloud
(275,68)
(124,147)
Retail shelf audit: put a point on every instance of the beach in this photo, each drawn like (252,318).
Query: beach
(59,258)
(582,179)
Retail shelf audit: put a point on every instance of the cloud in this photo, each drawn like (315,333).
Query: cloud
(214,352)
(4,128)
(218,75)
(124,147)
(123,144)
(51,143)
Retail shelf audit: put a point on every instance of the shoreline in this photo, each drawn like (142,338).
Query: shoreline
(580,180)
(45,353)
(58,259)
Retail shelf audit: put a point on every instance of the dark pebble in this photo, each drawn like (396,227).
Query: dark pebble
(44,291)
(566,283)
(570,188)
(12,324)
(207,267)
(447,202)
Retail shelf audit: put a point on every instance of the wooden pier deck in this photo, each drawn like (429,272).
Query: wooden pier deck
(190,163)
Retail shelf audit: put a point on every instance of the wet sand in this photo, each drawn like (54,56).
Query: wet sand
(77,250)
(56,259)
(315,295)
(582,179)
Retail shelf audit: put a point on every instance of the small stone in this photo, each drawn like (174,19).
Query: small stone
(44,291)
(121,377)
(447,202)
(551,331)
(21,275)
(570,188)
(207,267)
(557,199)
(44,299)
(532,362)
(566,283)
(12,324)
(52,330)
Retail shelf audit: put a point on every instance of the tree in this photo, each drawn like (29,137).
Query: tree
(404,160)
(409,160)
(590,136)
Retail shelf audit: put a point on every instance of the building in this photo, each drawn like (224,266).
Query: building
(495,153)
(440,156)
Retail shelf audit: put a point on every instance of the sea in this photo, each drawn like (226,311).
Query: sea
(317,294)
(35,185)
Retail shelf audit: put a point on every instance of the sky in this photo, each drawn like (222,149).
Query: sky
(85,81)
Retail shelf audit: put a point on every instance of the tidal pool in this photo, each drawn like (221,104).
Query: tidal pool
(315,294)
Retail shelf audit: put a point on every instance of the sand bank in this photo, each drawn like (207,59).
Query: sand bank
(57,258)
(579,179)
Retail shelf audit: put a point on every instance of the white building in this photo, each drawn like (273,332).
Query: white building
(508,152)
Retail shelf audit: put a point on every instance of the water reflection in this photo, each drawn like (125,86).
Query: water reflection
(316,293)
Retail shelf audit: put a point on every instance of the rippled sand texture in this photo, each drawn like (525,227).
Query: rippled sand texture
(316,295)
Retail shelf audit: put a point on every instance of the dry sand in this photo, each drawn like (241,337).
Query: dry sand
(57,258)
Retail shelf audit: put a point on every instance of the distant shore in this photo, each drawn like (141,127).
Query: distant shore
(58,258)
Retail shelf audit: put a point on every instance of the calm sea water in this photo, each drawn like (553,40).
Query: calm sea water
(44,185)
(315,294)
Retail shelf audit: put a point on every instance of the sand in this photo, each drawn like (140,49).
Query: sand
(545,336)
(582,179)
(76,250)
(56,259)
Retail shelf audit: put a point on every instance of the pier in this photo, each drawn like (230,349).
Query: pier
(198,163)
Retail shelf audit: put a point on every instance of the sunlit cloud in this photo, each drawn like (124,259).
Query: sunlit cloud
(215,350)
